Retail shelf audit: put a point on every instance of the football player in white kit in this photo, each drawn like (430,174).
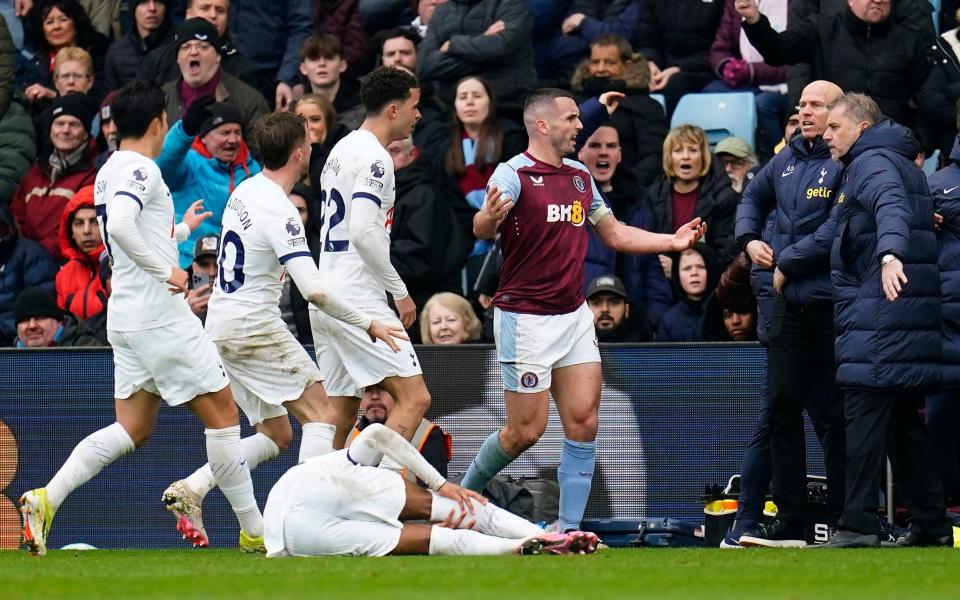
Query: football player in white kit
(357,193)
(263,240)
(160,350)
(338,504)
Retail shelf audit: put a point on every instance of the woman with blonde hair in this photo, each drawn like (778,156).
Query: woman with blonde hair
(448,319)
(691,187)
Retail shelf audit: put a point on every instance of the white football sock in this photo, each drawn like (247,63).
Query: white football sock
(317,439)
(224,452)
(257,448)
(464,542)
(90,456)
(490,519)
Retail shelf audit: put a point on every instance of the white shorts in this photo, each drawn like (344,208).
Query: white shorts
(349,361)
(330,507)
(529,347)
(177,362)
(265,371)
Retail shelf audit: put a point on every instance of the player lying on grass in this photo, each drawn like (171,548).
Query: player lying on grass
(270,372)
(340,504)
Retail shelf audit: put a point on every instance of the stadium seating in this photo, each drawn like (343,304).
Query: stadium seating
(936,15)
(931,164)
(720,115)
(661,99)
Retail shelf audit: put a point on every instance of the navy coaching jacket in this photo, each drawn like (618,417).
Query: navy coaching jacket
(885,207)
(800,184)
(945,187)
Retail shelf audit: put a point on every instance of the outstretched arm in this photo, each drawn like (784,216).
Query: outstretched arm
(631,240)
(308,280)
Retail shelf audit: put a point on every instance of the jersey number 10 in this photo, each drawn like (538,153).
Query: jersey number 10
(230,238)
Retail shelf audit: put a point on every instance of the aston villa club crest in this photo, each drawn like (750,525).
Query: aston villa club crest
(579,184)
(529,380)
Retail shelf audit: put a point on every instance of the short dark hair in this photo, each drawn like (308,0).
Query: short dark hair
(277,135)
(542,96)
(386,85)
(135,106)
(397,32)
(321,45)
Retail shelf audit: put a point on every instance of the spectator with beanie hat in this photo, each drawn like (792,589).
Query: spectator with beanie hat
(205,157)
(199,59)
(42,324)
(49,184)
(108,129)
(23,264)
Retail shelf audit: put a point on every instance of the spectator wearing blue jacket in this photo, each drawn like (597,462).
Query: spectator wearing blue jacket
(943,408)
(642,276)
(888,318)
(205,157)
(695,274)
(798,186)
(23,264)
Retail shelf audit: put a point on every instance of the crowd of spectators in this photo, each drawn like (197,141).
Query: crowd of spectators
(224,65)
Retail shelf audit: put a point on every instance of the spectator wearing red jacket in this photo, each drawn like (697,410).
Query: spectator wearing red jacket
(45,190)
(79,289)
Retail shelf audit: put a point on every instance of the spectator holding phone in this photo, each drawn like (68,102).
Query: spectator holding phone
(203,273)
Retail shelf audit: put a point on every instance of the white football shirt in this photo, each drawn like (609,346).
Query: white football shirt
(358,169)
(261,231)
(139,301)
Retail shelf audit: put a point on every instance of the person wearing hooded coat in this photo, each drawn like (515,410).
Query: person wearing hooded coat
(79,289)
(942,409)
(684,322)
(888,319)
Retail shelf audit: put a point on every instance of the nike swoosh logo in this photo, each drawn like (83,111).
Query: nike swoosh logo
(785,173)
(948,190)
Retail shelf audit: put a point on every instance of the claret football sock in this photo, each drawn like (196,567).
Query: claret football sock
(257,448)
(490,460)
(316,439)
(575,476)
(90,456)
(490,519)
(224,452)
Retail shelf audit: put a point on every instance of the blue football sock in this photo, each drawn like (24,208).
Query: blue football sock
(490,460)
(575,476)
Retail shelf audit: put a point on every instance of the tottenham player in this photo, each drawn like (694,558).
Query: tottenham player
(357,192)
(270,372)
(338,505)
(539,202)
(160,350)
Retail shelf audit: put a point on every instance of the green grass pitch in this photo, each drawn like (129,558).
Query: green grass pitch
(909,574)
